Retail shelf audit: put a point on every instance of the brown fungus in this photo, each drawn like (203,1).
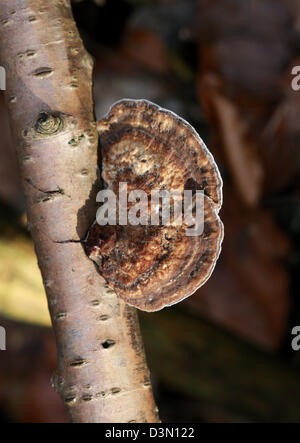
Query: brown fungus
(150,148)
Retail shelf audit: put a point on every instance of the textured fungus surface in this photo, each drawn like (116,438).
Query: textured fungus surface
(150,148)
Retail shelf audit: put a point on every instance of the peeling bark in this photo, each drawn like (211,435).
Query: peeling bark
(102,374)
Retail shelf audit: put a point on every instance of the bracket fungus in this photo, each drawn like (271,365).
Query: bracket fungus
(148,265)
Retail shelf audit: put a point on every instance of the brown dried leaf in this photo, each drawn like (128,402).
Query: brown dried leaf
(249,290)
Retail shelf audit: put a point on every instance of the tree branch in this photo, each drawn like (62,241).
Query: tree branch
(102,375)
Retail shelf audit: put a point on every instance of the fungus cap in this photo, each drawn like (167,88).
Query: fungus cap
(150,148)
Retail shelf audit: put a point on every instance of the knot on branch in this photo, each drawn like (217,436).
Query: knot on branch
(48,124)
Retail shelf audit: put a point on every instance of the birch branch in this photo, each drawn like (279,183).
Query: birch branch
(102,374)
